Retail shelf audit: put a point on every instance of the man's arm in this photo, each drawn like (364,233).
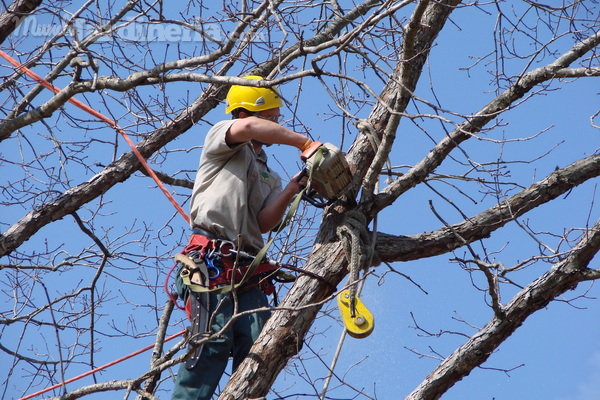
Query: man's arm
(271,215)
(264,131)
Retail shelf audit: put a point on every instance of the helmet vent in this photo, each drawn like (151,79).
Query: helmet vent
(260,101)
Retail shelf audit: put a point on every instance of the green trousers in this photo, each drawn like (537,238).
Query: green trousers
(200,382)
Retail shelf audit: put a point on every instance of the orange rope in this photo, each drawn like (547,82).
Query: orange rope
(101,117)
(112,123)
(93,371)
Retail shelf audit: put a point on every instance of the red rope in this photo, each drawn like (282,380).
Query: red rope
(135,150)
(166,288)
(101,117)
(93,371)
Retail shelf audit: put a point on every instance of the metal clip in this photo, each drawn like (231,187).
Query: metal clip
(227,248)
(213,271)
(210,253)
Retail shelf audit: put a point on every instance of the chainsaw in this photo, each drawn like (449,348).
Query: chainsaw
(328,171)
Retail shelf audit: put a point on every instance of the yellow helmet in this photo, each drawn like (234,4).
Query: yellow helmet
(252,98)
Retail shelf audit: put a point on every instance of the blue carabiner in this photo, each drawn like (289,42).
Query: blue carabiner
(213,271)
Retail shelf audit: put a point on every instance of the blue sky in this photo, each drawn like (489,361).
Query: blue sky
(556,347)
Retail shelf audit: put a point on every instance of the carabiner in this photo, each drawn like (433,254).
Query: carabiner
(226,248)
(213,271)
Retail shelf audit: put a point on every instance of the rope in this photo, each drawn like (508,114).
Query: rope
(346,231)
(93,371)
(101,117)
(355,240)
(352,232)
(147,167)
(338,351)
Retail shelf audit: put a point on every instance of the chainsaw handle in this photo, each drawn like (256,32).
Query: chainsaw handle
(315,202)
(308,197)
(303,173)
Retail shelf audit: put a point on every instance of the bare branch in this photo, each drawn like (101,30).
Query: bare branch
(404,248)
(14,15)
(564,276)
(500,104)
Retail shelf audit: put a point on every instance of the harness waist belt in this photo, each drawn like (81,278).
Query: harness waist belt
(224,263)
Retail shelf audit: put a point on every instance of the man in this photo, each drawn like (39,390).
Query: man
(237,198)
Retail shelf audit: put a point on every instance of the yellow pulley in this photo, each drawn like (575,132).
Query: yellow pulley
(359,325)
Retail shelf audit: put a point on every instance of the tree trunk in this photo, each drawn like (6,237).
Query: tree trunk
(283,335)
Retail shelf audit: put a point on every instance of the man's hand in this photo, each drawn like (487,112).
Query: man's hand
(298,182)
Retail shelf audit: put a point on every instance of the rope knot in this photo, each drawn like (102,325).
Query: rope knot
(358,249)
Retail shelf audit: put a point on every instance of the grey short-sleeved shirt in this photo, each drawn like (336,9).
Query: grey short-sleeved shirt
(232,185)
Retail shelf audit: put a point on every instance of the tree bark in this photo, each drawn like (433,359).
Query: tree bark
(284,333)
(412,247)
(14,15)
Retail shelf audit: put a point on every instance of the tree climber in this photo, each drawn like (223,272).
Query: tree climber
(236,198)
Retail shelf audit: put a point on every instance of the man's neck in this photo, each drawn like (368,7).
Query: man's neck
(257,146)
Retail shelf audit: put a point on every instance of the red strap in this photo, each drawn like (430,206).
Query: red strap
(202,243)
(225,278)
(101,117)
(188,309)
(198,243)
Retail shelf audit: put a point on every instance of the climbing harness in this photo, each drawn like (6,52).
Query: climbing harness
(209,265)
(212,265)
